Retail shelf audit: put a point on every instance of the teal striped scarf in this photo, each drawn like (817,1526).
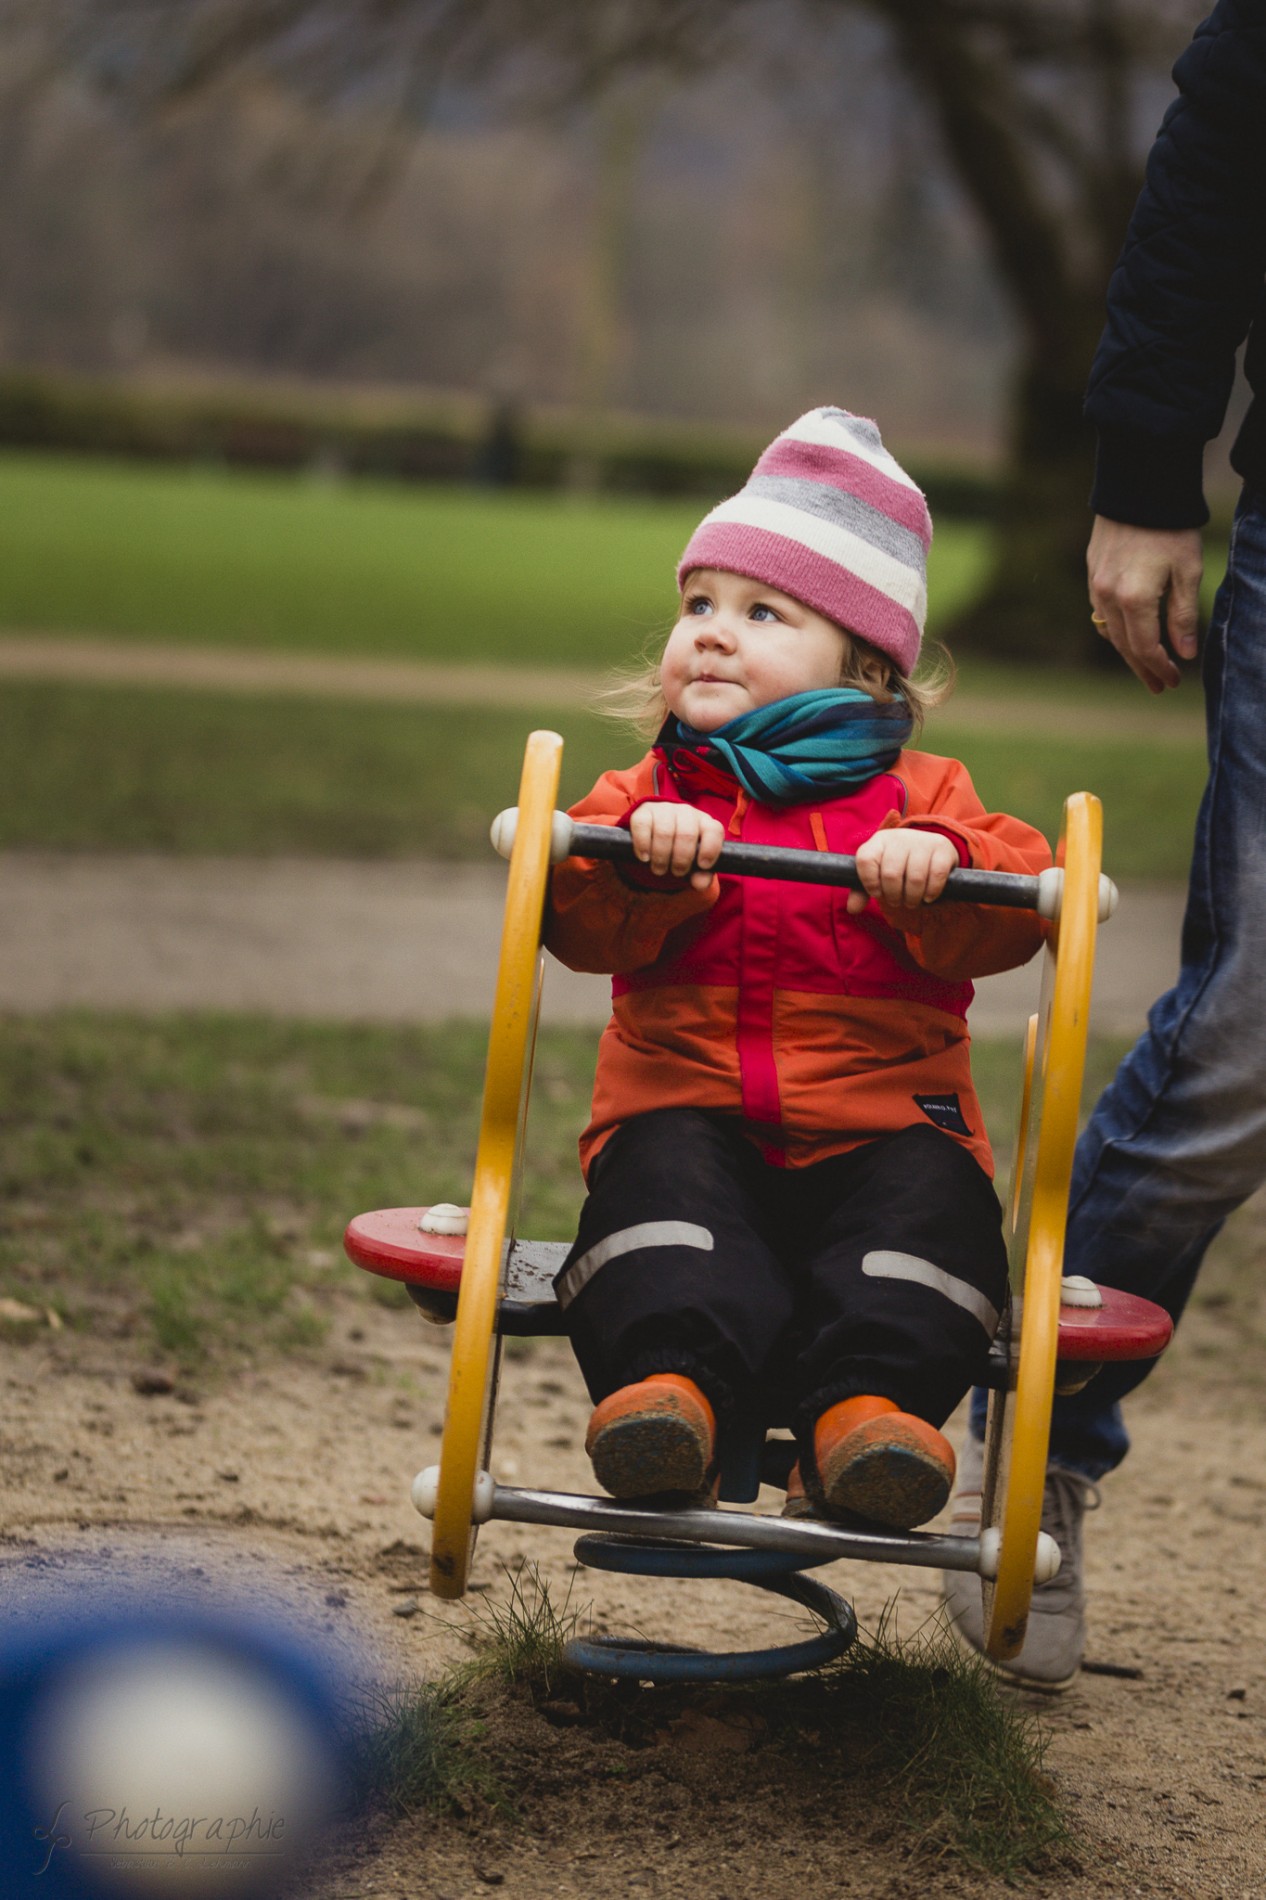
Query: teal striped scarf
(807,745)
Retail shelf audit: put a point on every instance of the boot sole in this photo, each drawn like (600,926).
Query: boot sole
(639,1457)
(896,1485)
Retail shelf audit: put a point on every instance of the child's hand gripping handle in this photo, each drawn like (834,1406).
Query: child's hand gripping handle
(1003,888)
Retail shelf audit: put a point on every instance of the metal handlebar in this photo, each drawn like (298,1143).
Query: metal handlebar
(1004,889)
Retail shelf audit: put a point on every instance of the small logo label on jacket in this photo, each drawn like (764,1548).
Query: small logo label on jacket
(944,1112)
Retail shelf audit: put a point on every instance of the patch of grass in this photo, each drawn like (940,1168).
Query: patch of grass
(1110,687)
(421,1745)
(187,1179)
(521,1637)
(929,1745)
(117,768)
(88,769)
(226,557)
(1150,793)
(995,1062)
(418,1750)
(960,1755)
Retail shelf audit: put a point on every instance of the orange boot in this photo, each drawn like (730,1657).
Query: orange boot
(799,1503)
(878,1462)
(656,1435)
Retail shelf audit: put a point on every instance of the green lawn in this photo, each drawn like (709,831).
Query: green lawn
(186,1180)
(183,1182)
(1150,793)
(89,769)
(119,768)
(357,567)
(226,558)
(365,568)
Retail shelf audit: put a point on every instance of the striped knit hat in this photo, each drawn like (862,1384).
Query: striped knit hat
(830,518)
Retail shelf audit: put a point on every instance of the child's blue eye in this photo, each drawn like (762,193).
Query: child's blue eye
(760,612)
(698,604)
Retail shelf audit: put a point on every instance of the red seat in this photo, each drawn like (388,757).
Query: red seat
(389,1242)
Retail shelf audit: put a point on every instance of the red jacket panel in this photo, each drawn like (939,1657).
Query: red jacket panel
(768,1000)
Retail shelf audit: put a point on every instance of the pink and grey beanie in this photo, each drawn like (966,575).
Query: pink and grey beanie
(830,518)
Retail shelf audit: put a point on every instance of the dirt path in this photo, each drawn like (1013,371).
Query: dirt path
(293,1478)
(90,660)
(380,942)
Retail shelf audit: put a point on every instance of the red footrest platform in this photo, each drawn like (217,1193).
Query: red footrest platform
(389,1242)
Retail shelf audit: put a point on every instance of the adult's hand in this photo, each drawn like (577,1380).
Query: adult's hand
(1131,570)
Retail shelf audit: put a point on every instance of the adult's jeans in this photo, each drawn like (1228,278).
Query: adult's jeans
(1177,1141)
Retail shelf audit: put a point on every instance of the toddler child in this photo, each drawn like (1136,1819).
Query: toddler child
(789,1182)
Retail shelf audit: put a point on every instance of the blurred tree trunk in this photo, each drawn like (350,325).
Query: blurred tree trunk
(623,119)
(1035,605)
(1053,187)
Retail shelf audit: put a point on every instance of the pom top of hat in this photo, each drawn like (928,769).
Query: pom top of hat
(831,518)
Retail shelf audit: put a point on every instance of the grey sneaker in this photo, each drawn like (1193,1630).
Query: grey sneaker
(1056,1637)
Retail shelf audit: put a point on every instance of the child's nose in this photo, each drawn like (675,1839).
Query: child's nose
(715,631)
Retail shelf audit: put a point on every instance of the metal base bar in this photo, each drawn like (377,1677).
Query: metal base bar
(813,1542)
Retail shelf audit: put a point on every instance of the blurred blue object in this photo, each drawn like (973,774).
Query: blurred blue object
(150,1752)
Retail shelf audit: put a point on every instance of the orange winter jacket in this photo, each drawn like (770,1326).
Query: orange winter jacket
(768,1001)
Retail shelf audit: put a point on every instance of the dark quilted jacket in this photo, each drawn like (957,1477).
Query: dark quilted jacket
(1189,286)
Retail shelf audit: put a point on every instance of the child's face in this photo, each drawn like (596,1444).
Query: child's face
(739,644)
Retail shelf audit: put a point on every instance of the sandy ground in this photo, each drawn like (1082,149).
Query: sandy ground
(292,1478)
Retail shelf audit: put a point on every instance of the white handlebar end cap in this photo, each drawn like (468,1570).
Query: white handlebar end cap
(502,830)
(1109,898)
(1050,893)
(505,826)
(560,837)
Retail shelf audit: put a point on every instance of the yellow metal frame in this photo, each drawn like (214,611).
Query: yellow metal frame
(1018,1434)
(472,1370)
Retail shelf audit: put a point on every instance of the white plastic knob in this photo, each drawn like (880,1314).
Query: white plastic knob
(990,1550)
(1050,894)
(485,1490)
(505,826)
(444,1218)
(424,1490)
(1047,1561)
(1076,1290)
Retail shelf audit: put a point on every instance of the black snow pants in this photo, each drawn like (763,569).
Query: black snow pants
(879,1271)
